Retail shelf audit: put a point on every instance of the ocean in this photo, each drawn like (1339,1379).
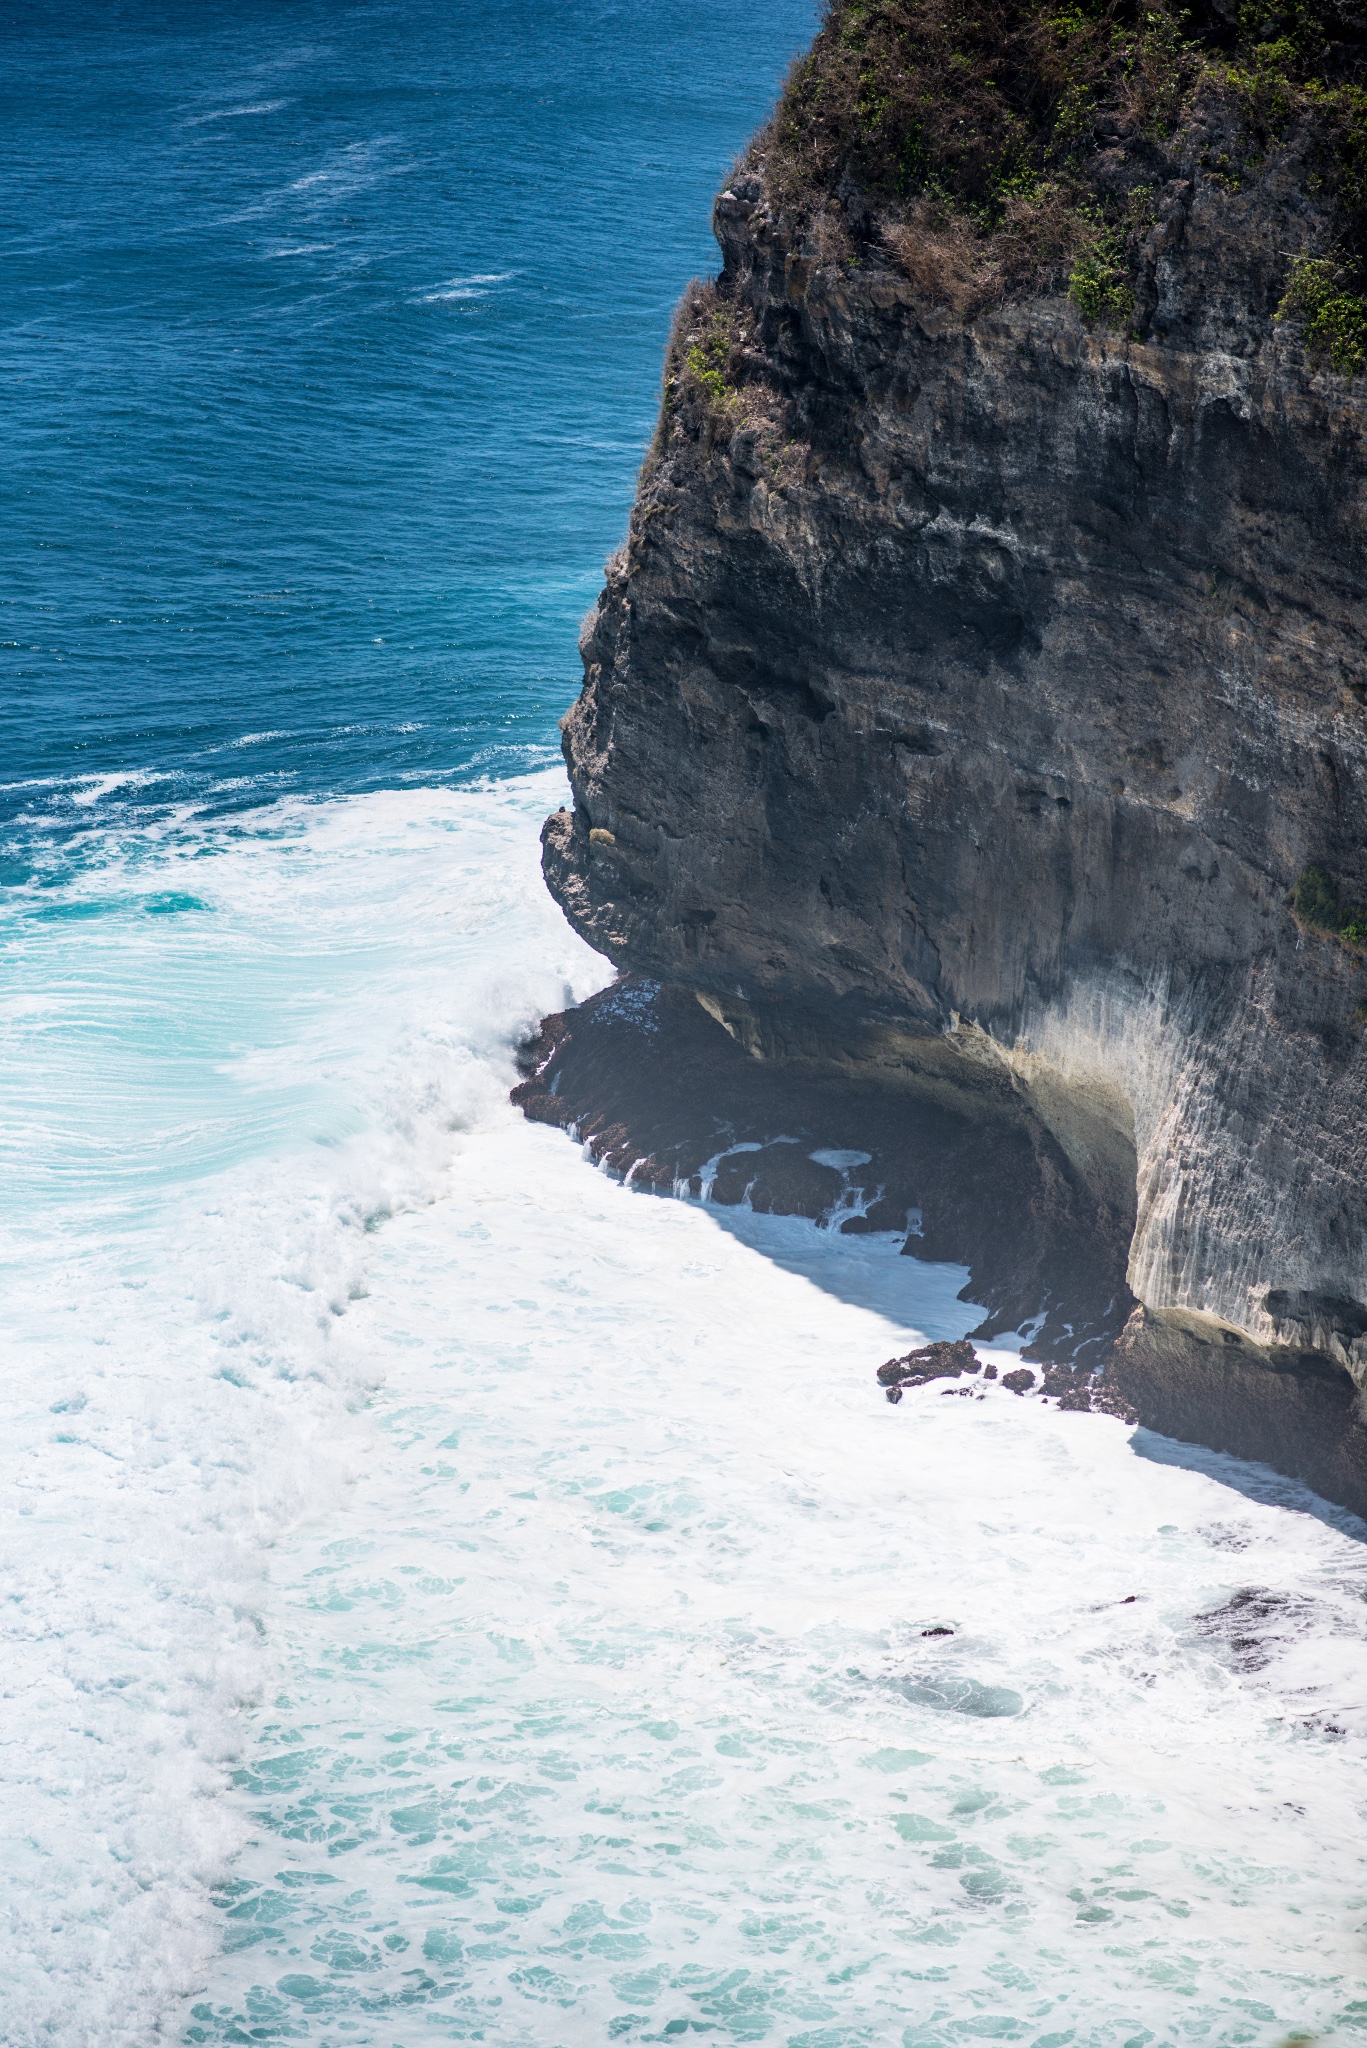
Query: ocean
(448,1595)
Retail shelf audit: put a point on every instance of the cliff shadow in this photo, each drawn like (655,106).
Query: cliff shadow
(920,1297)
(955,1176)
(1257,1482)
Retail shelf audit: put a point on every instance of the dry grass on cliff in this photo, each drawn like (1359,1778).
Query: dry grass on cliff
(968,132)
(1000,145)
(973,104)
(952,264)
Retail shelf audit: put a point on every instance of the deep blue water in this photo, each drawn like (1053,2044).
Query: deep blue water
(331,343)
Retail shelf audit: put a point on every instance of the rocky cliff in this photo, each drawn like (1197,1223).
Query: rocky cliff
(978,708)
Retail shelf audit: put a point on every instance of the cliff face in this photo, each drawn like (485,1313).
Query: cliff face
(969,696)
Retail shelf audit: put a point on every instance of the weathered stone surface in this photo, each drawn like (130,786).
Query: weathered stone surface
(961,711)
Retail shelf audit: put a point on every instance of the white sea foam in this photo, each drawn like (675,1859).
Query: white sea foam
(543,1559)
(357,167)
(474,287)
(354,168)
(609,1704)
(94,788)
(236,113)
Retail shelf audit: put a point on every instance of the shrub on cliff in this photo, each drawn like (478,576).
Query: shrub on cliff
(998,144)
(973,102)
(1335,319)
(698,360)
(1317,906)
(713,377)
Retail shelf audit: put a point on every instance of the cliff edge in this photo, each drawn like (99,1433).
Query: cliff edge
(978,708)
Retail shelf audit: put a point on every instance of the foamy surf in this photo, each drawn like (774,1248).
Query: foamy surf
(456,1596)
(659,1676)
(230,1060)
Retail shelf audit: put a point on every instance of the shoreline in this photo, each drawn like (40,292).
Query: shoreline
(665,1098)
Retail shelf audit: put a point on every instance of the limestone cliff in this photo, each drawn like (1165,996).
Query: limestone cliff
(981,677)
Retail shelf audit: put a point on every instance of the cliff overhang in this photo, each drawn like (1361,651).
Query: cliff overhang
(978,678)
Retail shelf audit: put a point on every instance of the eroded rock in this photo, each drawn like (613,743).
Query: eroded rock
(664,1096)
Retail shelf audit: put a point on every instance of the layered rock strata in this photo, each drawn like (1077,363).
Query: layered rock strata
(957,719)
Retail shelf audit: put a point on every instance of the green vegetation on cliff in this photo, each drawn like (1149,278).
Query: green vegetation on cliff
(999,144)
(709,349)
(1335,319)
(1317,906)
(974,105)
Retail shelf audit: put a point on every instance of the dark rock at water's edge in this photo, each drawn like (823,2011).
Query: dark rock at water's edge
(975,725)
(1296,1410)
(662,1095)
(939,1361)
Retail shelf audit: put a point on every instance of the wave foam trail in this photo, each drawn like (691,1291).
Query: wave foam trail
(325,1018)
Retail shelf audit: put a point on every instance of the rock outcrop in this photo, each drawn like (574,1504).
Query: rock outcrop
(971,691)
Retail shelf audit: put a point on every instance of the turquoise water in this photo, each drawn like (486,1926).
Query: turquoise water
(449,1596)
